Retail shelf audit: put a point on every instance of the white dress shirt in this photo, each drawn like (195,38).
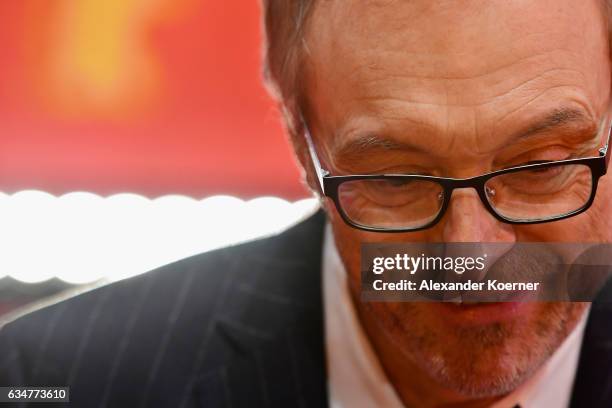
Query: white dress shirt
(356,378)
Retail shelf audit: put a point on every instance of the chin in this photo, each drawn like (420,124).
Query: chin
(478,360)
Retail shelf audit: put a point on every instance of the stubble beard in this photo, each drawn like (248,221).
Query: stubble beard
(482,361)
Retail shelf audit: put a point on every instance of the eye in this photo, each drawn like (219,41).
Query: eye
(548,154)
(536,162)
(543,170)
(399,182)
(536,169)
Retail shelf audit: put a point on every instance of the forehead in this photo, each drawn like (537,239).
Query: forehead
(459,64)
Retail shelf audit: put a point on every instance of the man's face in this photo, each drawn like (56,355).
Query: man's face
(453,89)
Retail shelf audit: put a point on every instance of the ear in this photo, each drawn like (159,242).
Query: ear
(309,175)
(294,125)
(302,155)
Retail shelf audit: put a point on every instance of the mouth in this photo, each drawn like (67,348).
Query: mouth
(481,313)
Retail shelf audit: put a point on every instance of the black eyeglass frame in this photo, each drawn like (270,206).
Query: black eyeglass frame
(330,184)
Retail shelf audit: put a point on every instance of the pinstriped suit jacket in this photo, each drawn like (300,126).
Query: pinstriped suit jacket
(236,327)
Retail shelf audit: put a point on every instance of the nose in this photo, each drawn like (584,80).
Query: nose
(467,220)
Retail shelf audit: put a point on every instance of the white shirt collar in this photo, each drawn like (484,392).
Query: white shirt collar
(357,379)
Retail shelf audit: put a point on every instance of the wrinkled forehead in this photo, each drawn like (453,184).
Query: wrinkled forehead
(422,55)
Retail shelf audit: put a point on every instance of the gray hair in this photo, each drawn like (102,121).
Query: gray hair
(284,25)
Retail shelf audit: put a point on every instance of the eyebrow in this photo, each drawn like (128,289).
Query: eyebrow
(556,119)
(365,143)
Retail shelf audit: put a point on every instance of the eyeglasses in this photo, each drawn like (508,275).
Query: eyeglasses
(528,194)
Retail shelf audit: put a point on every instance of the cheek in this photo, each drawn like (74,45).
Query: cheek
(349,240)
(582,228)
(601,211)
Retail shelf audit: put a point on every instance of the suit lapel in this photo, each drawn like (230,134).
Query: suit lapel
(593,385)
(272,337)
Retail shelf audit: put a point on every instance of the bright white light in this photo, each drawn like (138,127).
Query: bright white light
(82,237)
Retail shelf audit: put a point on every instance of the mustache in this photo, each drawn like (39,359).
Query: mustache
(560,271)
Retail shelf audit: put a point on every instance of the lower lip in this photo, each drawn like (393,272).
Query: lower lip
(481,313)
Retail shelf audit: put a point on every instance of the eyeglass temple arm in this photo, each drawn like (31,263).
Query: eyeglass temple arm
(605,151)
(315,158)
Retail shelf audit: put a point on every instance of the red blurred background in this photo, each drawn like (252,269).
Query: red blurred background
(147,96)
